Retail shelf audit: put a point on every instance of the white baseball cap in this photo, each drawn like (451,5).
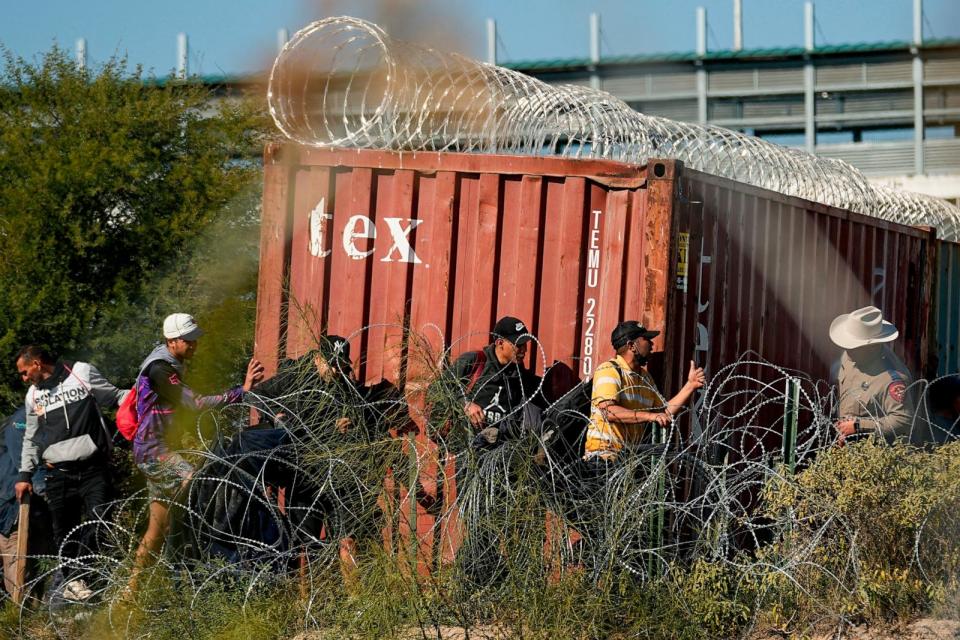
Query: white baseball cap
(181,325)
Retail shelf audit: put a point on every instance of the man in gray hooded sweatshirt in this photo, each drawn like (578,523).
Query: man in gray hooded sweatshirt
(67,438)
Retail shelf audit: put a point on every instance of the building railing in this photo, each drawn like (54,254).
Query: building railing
(896,158)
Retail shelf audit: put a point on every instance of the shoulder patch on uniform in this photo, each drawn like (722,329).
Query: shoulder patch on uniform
(174,378)
(896,390)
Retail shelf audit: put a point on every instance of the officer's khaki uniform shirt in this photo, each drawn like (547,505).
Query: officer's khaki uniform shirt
(876,392)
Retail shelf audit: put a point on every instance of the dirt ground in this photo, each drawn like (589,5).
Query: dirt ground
(922,629)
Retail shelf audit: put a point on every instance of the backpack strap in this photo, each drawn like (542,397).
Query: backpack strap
(96,405)
(619,369)
(478,364)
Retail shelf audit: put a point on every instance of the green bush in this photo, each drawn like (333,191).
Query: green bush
(869,532)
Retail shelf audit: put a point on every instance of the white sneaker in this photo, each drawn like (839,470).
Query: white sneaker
(77,591)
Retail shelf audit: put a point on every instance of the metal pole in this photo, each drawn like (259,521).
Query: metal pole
(737,25)
(701,32)
(917,22)
(491,41)
(918,123)
(594,49)
(701,71)
(282,37)
(183,52)
(657,518)
(81,53)
(414,542)
(791,417)
(809,102)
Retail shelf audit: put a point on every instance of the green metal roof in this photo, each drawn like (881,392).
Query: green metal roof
(561,64)
(209,79)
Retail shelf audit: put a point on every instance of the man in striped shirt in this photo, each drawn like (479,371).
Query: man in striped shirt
(625,400)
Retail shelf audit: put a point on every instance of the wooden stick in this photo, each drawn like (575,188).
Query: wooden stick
(23,536)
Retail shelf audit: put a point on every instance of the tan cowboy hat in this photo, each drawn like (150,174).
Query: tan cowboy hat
(860,328)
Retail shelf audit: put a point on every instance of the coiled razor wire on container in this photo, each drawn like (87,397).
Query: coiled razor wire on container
(279,514)
(344,82)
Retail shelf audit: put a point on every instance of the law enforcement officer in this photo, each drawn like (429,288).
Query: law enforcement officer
(872,381)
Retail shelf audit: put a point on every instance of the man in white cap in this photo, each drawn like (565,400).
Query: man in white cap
(161,395)
(872,381)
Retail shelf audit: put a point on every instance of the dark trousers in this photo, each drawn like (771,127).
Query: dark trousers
(73,496)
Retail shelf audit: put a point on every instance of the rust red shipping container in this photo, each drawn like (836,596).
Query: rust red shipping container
(363,243)
(449,242)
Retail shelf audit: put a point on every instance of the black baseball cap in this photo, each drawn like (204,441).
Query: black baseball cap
(512,330)
(630,330)
(334,349)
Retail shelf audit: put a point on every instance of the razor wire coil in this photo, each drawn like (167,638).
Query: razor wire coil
(344,82)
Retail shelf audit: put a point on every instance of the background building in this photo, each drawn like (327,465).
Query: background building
(892,109)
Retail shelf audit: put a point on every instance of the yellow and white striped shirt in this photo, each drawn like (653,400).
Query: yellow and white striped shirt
(636,391)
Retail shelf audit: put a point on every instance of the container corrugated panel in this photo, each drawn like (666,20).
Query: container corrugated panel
(948,308)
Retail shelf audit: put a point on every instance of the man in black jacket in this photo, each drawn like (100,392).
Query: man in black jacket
(500,396)
(319,403)
(313,389)
(66,435)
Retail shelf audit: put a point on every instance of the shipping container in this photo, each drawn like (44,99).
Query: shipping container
(381,246)
(365,243)
(762,273)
